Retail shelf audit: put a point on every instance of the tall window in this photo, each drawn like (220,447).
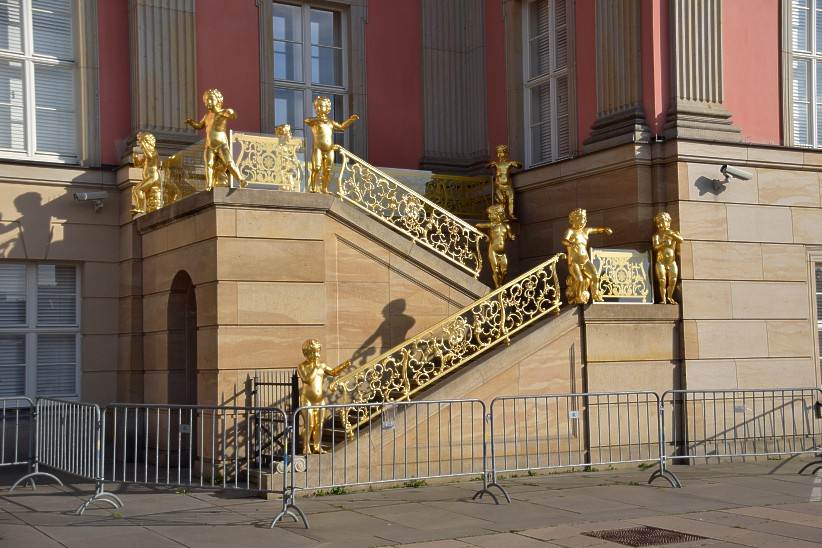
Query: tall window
(39,330)
(37,80)
(547,105)
(309,60)
(819,308)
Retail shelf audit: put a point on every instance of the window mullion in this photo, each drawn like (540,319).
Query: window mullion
(31,334)
(29,108)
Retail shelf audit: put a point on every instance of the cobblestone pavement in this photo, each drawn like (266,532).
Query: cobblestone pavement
(765,504)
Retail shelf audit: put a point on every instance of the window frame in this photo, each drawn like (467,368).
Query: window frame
(29,59)
(550,77)
(815,258)
(307,87)
(30,330)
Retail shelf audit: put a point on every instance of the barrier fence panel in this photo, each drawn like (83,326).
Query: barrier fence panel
(399,442)
(742,424)
(278,388)
(16,431)
(555,431)
(219,447)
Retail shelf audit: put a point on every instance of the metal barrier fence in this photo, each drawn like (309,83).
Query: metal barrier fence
(16,431)
(278,388)
(583,430)
(407,441)
(219,447)
(711,425)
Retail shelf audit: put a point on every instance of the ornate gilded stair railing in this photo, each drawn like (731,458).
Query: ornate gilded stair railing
(398,206)
(422,360)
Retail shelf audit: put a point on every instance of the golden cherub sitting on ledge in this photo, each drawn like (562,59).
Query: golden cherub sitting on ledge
(582,283)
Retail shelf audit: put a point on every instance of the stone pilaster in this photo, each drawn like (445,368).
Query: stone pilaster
(163,70)
(696,110)
(620,115)
(453,83)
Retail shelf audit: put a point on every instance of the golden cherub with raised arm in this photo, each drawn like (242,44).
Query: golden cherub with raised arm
(664,242)
(217,152)
(498,231)
(503,189)
(149,160)
(582,283)
(323,147)
(312,373)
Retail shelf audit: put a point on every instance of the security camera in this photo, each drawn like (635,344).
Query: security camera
(730,172)
(95,197)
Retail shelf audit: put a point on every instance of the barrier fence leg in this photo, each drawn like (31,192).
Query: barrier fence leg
(290,508)
(34,465)
(489,480)
(489,477)
(662,471)
(100,495)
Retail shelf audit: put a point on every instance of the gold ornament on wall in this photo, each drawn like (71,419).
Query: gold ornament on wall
(664,242)
(582,283)
(217,152)
(503,186)
(323,147)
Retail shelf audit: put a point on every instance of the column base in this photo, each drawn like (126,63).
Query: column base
(701,121)
(626,126)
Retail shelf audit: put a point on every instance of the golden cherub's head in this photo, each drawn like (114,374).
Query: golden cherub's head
(283,130)
(662,220)
(146,140)
(213,98)
(502,152)
(578,218)
(322,105)
(496,213)
(311,349)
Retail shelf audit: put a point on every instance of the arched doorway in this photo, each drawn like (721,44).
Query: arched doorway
(182,341)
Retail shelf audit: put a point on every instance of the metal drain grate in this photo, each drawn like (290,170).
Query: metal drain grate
(643,536)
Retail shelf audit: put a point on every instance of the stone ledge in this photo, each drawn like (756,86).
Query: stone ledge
(610,312)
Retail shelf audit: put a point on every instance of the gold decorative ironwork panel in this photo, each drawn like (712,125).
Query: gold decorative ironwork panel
(624,275)
(462,196)
(420,361)
(269,160)
(412,214)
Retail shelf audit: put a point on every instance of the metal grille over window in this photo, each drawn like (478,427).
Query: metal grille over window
(38,117)
(547,102)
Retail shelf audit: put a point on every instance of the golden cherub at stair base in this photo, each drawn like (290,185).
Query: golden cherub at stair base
(664,242)
(503,188)
(582,283)
(312,373)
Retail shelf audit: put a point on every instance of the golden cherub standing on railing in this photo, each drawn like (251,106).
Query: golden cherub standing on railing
(503,187)
(323,147)
(498,231)
(664,242)
(312,373)
(149,160)
(217,151)
(582,283)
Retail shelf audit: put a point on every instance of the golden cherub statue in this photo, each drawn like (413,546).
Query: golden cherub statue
(149,160)
(582,283)
(312,373)
(503,189)
(664,242)
(217,151)
(323,147)
(498,231)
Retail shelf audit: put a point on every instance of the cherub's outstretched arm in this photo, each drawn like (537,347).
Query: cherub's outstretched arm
(677,236)
(515,164)
(229,113)
(484,226)
(339,369)
(195,124)
(600,230)
(344,125)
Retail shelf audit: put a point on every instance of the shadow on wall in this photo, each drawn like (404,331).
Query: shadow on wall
(29,234)
(392,331)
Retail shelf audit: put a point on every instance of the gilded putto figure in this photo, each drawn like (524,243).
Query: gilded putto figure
(498,231)
(503,187)
(582,283)
(312,373)
(323,147)
(217,150)
(149,160)
(664,242)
